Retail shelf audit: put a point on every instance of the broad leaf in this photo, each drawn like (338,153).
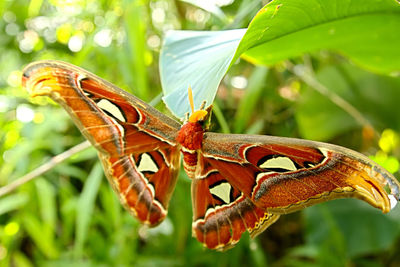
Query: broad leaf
(196,59)
(349,218)
(364,31)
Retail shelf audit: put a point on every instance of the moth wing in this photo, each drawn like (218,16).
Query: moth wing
(281,175)
(221,213)
(136,143)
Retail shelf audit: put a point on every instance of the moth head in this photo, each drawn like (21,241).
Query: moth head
(202,115)
(198,115)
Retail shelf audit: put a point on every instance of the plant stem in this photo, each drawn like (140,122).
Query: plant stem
(306,75)
(43,168)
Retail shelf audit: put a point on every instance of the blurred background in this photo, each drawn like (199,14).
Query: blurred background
(70,215)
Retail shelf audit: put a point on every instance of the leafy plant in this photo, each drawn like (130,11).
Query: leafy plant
(344,90)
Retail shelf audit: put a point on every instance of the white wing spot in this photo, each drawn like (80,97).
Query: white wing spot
(393,201)
(279,162)
(147,164)
(223,191)
(262,174)
(111,108)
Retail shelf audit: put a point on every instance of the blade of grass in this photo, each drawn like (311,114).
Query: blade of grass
(249,101)
(40,236)
(12,202)
(47,203)
(221,119)
(306,74)
(86,206)
(43,168)
(135,47)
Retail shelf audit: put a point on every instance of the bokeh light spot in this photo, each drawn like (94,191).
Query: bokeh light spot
(239,82)
(154,41)
(25,113)
(9,17)
(64,33)
(75,43)
(14,78)
(28,41)
(389,140)
(103,38)
(11,228)
(12,29)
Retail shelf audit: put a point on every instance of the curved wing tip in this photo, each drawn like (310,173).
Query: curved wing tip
(391,184)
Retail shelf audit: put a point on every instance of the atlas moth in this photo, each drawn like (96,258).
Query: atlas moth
(239,182)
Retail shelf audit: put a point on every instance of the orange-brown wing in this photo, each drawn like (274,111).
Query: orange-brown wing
(282,175)
(221,213)
(246,182)
(136,143)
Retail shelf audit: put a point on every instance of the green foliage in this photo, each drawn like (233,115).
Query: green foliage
(280,30)
(355,28)
(359,88)
(201,57)
(70,216)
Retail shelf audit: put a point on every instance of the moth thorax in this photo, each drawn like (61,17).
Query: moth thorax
(190,136)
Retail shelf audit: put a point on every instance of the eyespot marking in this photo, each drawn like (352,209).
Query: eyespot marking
(222,191)
(111,109)
(147,164)
(277,163)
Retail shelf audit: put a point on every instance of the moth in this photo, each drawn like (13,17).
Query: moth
(239,182)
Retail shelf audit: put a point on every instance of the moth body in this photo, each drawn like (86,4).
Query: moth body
(190,137)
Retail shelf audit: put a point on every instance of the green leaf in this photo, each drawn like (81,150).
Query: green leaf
(40,235)
(12,202)
(317,116)
(133,60)
(86,206)
(197,59)
(47,204)
(365,230)
(20,259)
(364,31)
(374,96)
(111,205)
(249,101)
